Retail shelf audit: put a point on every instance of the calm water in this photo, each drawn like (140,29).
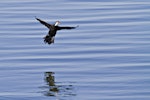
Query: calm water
(106,58)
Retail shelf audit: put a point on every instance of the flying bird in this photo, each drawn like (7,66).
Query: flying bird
(53,28)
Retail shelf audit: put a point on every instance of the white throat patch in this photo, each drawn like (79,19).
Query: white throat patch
(57,23)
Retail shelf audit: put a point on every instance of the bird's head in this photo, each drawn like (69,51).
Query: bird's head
(57,23)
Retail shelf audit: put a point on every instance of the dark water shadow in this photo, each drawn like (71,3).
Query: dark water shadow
(56,89)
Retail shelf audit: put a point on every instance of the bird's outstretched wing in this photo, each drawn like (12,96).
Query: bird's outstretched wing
(44,23)
(65,27)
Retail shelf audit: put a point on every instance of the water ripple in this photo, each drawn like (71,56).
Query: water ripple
(107,54)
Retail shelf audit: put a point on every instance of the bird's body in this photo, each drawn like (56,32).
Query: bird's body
(53,28)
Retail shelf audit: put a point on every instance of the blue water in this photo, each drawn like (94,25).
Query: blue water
(106,58)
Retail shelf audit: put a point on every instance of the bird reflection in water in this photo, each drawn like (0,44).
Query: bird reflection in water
(50,79)
(55,89)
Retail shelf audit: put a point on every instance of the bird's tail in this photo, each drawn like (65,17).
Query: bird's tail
(48,39)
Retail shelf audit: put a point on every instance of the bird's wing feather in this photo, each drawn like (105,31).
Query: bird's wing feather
(44,23)
(65,27)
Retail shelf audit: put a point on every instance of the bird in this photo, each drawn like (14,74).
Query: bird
(53,28)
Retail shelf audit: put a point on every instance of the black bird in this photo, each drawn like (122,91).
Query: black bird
(53,28)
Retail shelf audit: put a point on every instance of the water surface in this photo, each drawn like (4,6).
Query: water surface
(106,58)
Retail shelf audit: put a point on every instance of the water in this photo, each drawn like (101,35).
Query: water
(106,58)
